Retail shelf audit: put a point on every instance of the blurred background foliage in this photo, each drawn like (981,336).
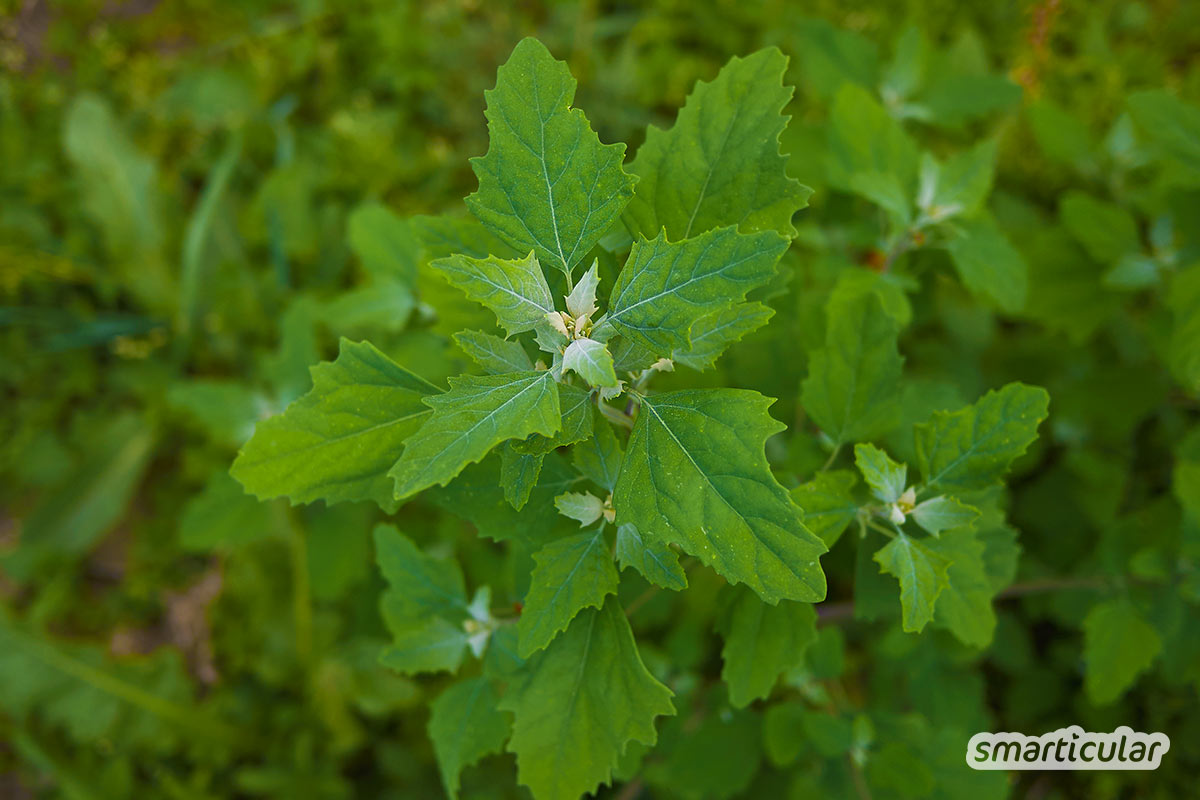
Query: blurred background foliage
(198,198)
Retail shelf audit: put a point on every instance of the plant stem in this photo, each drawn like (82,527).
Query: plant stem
(302,613)
(832,457)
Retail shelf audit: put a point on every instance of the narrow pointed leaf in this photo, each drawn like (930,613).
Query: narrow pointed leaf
(518,474)
(695,474)
(886,478)
(547,184)
(599,459)
(469,420)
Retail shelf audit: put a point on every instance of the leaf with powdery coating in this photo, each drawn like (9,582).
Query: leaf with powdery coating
(547,184)
(720,163)
(477,414)
(591,361)
(579,703)
(695,474)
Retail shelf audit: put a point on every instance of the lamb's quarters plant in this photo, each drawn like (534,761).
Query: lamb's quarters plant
(536,519)
(692,231)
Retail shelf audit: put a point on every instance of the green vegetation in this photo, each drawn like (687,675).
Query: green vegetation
(791,397)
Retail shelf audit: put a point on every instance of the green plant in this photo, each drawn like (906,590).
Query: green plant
(691,234)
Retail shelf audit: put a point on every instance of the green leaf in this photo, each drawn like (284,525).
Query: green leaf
(583,507)
(477,497)
(965,604)
(591,361)
(599,458)
(494,354)
(477,414)
(579,703)
(1062,137)
(827,503)
(666,287)
(850,390)
(1117,645)
(720,164)
(656,562)
(1183,297)
(938,514)
(831,56)
(571,574)
(419,585)
(973,447)
(761,642)
(695,474)
(988,265)
(886,478)
(465,725)
(713,333)
(518,474)
(516,291)
(958,187)
(547,184)
(223,516)
(1172,125)
(578,412)
(1107,231)
(581,302)
(922,576)
(337,442)
(863,138)
(386,246)
(428,645)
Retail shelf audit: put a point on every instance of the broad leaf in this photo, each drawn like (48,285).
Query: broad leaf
(547,184)
(960,185)
(599,458)
(429,645)
(713,333)
(579,703)
(850,391)
(988,264)
(886,478)
(469,420)
(494,354)
(720,164)
(827,503)
(695,474)
(571,574)
(1117,645)
(761,642)
(863,138)
(583,507)
(464,726)
(938,514)
(666,287)
(965,604)
(516,291)
(656,562)
(578,413)
(591,361)
(973,447)
(337,442)
(419,585)
(1172,125)
(922,576)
